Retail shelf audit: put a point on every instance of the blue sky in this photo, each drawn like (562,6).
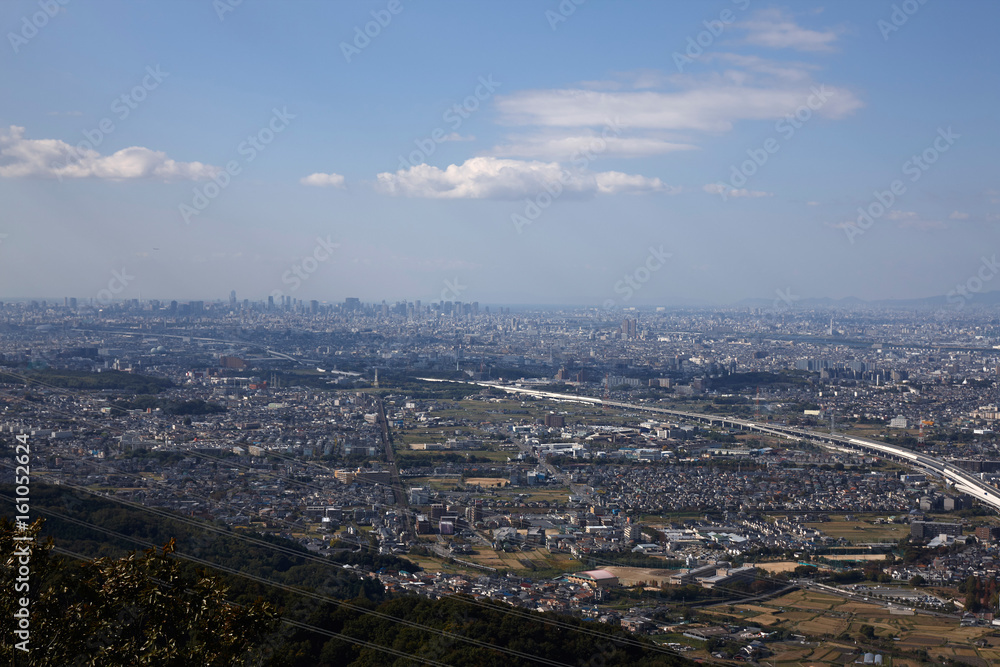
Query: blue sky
(625,154)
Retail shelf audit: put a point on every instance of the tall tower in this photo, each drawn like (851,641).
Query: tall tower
(833,413)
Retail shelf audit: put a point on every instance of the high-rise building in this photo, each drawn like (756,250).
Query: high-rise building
(629,327)
(474,513)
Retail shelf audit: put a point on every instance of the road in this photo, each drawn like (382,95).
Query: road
(963,481)
(402,501)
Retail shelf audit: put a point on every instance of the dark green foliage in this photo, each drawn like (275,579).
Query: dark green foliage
(487,623)
(136,583)
(66,379)
(981,594)
(805,571)
(847,576)
(142,609)
(222,549)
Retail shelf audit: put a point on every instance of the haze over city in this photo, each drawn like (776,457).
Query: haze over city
(525,332)
(516,152)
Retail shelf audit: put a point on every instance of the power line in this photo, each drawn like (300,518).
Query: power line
(306,626)
(299,554)
(304,593)
(514,611)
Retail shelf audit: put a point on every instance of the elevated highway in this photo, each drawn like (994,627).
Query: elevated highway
(963,481)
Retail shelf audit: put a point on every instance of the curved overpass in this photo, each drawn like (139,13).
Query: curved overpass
(963,480)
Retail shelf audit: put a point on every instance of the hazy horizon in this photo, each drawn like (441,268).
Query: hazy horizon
(524,153)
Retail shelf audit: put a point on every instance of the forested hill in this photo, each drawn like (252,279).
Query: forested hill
(287,583)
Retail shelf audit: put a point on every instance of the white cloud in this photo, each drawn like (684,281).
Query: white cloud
(647,113)
(812,203)
(616,182)
(958,215)
(583,145)
(910,220)
(54,158)
(322,180)
(635,79)
(743,192)
(712,106)
(494,178)
(785,72)
(721,189)
(774,29)
(455,136)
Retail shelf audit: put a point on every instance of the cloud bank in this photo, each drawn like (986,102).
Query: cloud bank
(54,158)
